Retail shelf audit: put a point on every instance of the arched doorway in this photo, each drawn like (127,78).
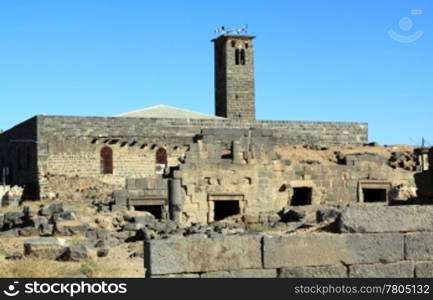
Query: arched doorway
(161,156)
(106,160)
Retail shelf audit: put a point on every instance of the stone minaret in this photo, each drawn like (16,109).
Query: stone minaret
(234,77)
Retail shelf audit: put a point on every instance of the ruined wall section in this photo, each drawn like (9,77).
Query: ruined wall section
(239,165)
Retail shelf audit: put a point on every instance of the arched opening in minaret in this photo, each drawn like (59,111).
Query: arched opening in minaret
(237,57)
(242,57)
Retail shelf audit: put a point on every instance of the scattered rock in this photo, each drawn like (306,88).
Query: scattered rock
(50,209)
(75,253)
(46,248)
(71,227)
(28,231)
(65,216)
(14,256)
(46,230)
(102,252)
(327,214)
(12,219)
(292,215)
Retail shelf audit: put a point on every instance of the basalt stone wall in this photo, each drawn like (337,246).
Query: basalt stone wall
(296,131)
(376,250)
(18,153)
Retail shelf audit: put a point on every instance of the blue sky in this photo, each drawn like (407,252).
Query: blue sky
(315,60)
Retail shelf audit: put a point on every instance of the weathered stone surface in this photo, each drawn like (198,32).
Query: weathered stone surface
(292,215)
(28,231)
(50,209)
(424,270)
(331,249)
(325,214)
(337,271)
(65,216)
(258,273)
(12,219)
(393,270)
(382,219)
(46,229)
(192,255)
(71,227)
(37,222)
(48,248)
(419,246)
(75,253)
(186,275)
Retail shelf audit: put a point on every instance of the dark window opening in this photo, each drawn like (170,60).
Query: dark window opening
(106,160)
(237,56)
(302,196)
(155,210)
(233,44)
(225,209)
(242,57)
(161,156)
(374,195)
(246,45)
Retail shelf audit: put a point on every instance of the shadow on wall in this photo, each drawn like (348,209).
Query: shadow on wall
(424,182)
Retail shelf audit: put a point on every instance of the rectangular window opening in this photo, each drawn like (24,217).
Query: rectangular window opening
(374,195)
(302,196)
(226,208)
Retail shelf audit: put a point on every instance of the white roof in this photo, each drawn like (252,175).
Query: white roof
(165,111)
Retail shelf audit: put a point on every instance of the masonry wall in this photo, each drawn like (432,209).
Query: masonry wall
(385,248)
(70,146)
(18,153)
(261,174)
(293,132)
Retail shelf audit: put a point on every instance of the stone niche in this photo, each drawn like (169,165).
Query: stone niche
(221,206)
(374,191)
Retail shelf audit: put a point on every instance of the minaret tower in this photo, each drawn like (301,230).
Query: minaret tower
(234,76)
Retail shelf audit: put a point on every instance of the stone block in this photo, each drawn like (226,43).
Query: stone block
(50,209)
(186,275)
(75,253)
(250,273)
(424,270)
(393,270)
(46,248)
(330,249)
(419,246)
(71,227)
(381,219)
(337,271)
(197,254)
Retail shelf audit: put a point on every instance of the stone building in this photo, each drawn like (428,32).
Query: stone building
(194,167)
